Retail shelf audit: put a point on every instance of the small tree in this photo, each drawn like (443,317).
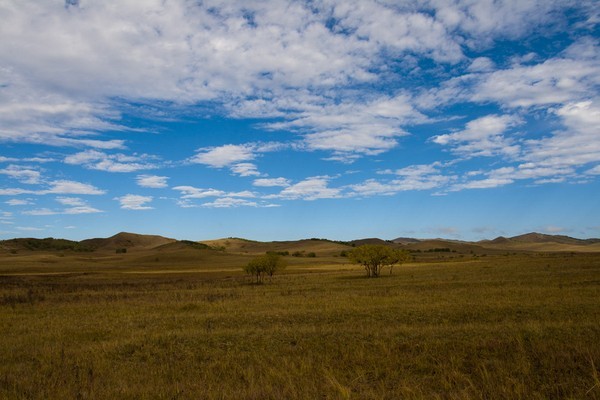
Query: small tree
(375,257)
(264,265)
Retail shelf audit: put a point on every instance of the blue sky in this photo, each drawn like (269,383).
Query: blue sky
(277,120)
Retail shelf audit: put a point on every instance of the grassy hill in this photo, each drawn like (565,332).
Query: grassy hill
(130,241)
(42,245)
(541,242)
(320,247)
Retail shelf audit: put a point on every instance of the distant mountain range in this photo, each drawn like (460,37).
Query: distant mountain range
(135,242)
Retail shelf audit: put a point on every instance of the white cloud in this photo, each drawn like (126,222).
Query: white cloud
(22,173)
(152,181)
(245,169)
(413,177)
(555,81)
(486,183)
(576,145)
(190,192)
(566,78)
(232,202)
(15,191)
(481,64)
(94,159)
(484,21)
(354,128)
(483,136)
(75,205)
(292,60)
(309,65)
(309,189)
(271,182)
(56,187)
(71,201)
(507,175)
(18,202)
(71,187)
(398,29)
(235,156)
(134,202)
(81,210)
(223,156)
(228,202)
(40,212)
(28,159)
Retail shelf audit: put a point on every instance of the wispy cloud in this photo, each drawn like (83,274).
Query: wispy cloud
(190,192)
(483,137)
(312,188)
(134,202)
(271,182)
(18,202)
(23,174)
(62,186)
(73,206)
(94,159)
(245,169)
(412,177)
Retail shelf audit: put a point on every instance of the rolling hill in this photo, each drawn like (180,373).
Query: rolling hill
(535,241)
(321,247)
(130,241)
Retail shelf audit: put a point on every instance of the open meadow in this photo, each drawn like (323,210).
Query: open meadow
(506,326)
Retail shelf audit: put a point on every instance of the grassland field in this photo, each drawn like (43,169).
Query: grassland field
(192,326)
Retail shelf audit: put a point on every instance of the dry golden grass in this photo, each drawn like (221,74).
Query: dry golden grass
(514,327)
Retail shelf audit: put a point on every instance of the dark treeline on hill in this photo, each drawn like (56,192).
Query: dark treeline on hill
(49,244)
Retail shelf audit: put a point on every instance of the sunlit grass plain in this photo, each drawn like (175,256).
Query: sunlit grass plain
(498,327)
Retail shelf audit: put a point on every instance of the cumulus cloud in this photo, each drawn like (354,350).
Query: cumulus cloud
(23,174)
(340,75)
(134,202)
(152,181)
(354,128)
(312,188)
(224,156)
(483,137)
(575,145)
(236,156)
(413,177)
(241,56)
(223,199)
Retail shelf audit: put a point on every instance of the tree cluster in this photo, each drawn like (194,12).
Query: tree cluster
(375,257)
(267,264)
